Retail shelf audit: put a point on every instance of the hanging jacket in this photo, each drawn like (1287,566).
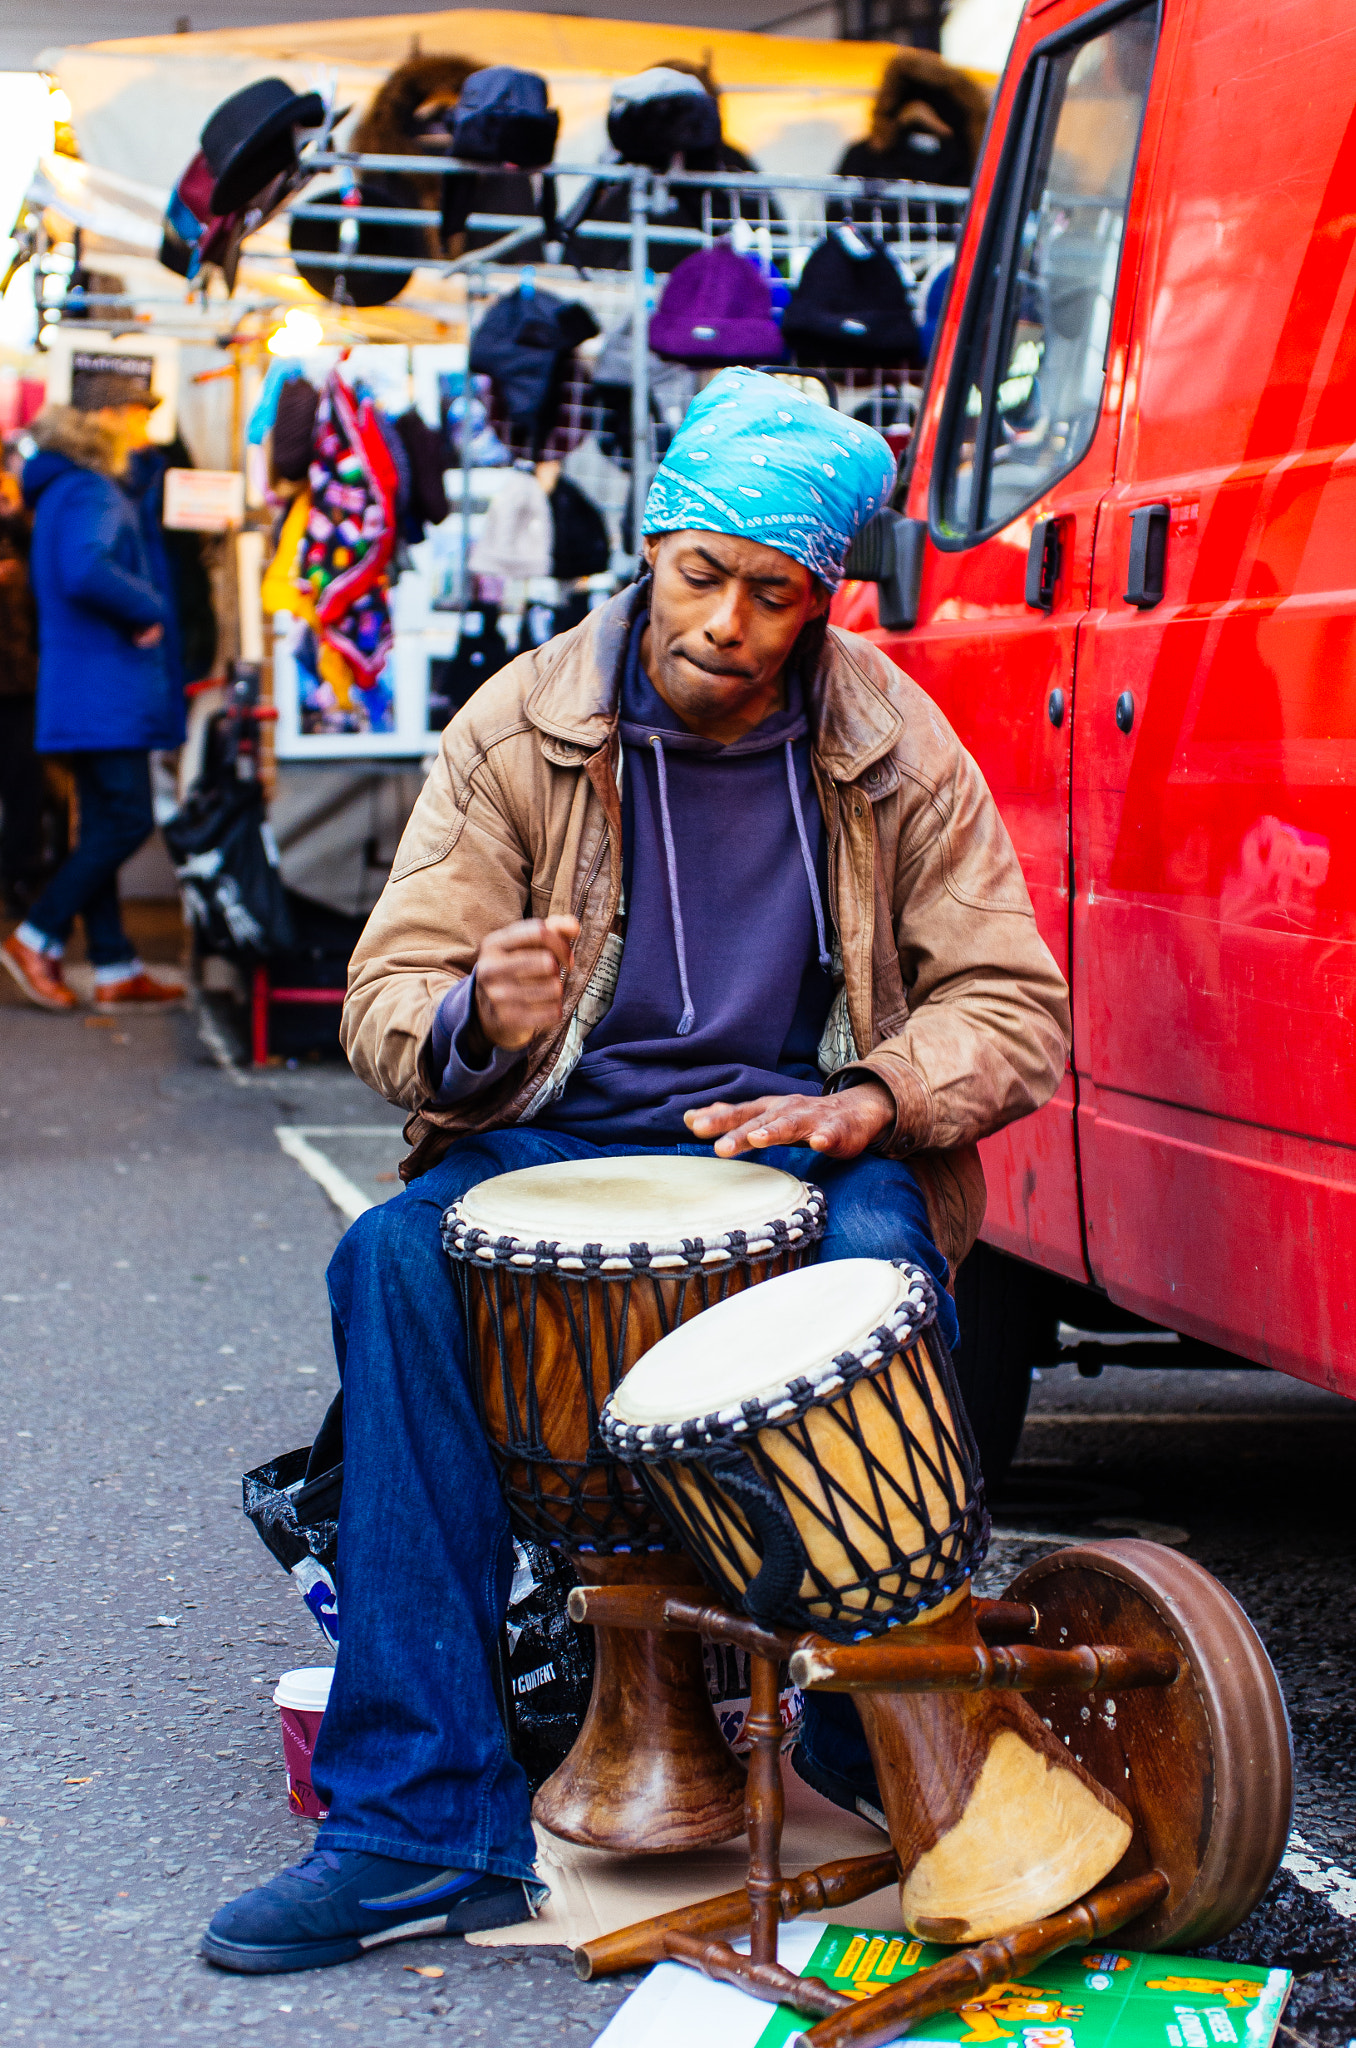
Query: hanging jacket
(946,991)
(18,620)
(523,343)
(95,589)
(579,542)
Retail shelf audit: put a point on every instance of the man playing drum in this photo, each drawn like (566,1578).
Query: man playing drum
(702,873)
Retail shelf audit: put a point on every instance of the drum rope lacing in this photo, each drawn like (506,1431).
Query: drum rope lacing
(864,1598)
(593,1504)
(599,1261)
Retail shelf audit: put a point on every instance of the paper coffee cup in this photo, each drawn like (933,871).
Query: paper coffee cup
(301,1698)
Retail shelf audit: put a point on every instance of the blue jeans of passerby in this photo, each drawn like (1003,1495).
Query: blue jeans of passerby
(412,1758)
(116,818)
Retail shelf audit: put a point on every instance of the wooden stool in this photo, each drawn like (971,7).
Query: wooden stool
(1134,1656)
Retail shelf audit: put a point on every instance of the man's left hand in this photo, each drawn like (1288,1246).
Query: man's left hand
(840,1125)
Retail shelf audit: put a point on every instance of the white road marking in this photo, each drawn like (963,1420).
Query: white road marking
(346,1196)
(1077,1416)
(210,1035)
(345,1130)
(1328,1881)
(1131,1525)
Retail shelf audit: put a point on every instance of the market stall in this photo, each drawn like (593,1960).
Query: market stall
(444,380)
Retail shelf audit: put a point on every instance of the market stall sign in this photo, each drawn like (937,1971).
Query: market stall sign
(204,500)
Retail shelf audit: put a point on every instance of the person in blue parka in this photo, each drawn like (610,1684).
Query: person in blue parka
(109,688)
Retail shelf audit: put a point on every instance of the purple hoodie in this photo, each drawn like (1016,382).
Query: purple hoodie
(724,984)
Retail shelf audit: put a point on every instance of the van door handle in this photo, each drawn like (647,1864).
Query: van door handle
(1148,551)
(1043,561)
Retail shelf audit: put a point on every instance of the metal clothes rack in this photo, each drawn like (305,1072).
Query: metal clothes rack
(776,218)
(615,439)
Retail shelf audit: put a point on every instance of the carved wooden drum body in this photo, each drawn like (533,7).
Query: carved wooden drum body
(569,1274)
(825,1478)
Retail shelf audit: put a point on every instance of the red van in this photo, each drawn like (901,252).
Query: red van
(1129,579)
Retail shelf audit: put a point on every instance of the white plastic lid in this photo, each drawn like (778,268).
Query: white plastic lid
(750,1345)
(306,1691)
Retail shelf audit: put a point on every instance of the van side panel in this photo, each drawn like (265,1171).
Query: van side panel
(1215,839)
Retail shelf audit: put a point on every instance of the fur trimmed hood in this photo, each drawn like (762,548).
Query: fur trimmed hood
(62,430)
(431,82)
(917,80)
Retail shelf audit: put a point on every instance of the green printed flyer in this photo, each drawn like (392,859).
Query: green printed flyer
(1081,1999)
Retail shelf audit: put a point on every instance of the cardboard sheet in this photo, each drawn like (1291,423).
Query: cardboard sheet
(595,1893)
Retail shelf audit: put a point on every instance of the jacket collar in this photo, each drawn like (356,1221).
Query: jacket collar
(576,701)
(579,693)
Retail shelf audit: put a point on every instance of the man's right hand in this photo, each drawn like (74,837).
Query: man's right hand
(520,981)
(149,636)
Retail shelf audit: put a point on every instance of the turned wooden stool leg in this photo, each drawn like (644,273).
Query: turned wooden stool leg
(765,1809)
(650,1770)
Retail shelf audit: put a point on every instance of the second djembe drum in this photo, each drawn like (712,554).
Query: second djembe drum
(569,1273)
(809,1446)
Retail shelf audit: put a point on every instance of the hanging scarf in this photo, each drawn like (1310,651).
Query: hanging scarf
(350,533)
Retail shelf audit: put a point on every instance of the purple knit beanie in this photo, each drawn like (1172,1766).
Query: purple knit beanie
(716,308)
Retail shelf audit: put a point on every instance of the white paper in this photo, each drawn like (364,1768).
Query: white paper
(676,2007)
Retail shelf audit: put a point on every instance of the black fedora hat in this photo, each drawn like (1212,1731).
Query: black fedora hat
(248,141)
(375,238)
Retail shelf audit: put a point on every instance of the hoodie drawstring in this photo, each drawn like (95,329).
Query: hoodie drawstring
(825,962)
(686,1021)
(688,1018)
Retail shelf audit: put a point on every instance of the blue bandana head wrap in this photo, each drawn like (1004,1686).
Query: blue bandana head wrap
(756,459)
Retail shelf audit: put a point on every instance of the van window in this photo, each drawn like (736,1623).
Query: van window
(1027,381)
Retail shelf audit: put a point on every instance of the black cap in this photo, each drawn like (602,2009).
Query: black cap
(248,141)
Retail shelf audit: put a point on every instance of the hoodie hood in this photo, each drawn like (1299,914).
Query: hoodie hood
(40,470)
(67,438)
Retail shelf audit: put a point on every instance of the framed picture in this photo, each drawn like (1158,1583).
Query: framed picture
(323,715)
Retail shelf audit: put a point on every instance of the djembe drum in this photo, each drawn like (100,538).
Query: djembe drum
(809,1446)
(569,1273)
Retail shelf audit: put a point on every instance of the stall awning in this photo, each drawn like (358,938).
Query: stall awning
(793,103)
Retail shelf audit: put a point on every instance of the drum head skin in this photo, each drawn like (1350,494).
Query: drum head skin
(806,1441)
(1205,1765)
(619,1203)
(750,1347)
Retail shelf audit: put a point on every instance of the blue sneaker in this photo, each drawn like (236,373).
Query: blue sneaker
(337,1902)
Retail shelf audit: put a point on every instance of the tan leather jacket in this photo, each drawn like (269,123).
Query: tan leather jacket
(949,995)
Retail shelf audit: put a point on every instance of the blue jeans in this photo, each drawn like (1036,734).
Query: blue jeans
(116,818)
(412,1758)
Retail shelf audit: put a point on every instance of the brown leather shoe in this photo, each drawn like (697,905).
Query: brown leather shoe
(140,991)
(38,977)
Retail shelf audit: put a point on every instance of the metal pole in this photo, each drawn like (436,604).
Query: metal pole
(474,285)
(640,353)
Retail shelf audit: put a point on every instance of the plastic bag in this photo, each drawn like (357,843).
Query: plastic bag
(305,1549)
(549,1661)
(226,862)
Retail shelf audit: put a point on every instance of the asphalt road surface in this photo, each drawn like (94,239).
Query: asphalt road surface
(163,1328)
